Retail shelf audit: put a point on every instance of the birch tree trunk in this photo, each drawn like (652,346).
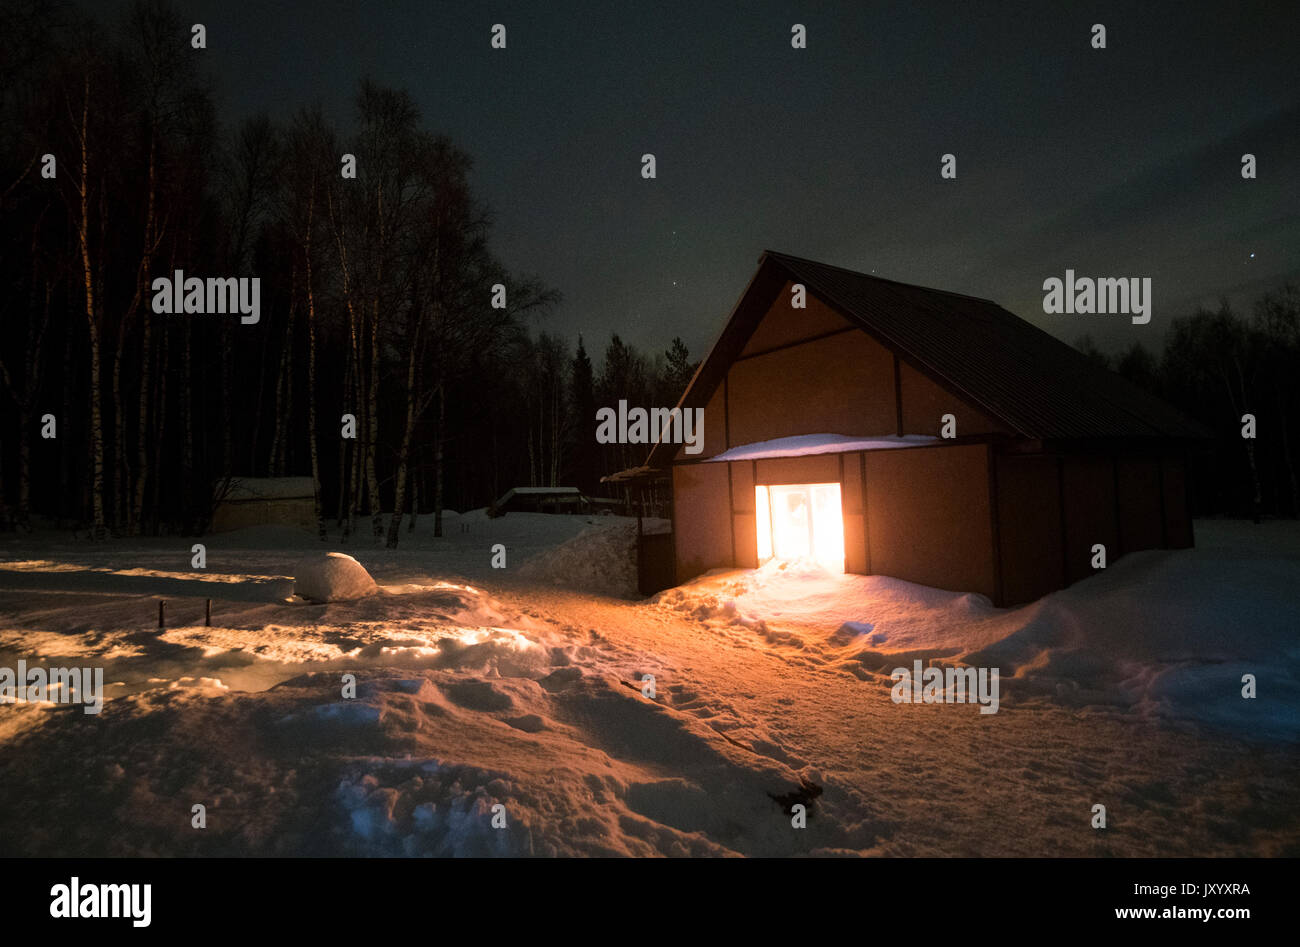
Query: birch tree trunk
(134,523)
(399,497)
(146,355)
(372,431)
(284,385)
(252,467)
(356,384)
(227,454)
(415,496)
(187,415)
(160,431)
(26,398)
(358,459)
(67,502)
(343,464)
(121,500)
(437,460)
(311,373)
(96,411)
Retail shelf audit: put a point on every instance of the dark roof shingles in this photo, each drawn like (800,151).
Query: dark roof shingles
(1031,381)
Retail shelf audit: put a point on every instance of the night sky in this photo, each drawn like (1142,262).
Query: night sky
(1115,162)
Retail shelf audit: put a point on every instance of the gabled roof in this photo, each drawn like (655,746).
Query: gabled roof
(1033,383)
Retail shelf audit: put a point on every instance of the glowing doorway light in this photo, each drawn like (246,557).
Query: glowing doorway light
(800,521)
(764,523)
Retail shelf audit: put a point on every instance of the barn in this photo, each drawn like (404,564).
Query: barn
(890,429)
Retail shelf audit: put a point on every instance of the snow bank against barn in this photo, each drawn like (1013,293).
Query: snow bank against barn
(805,445)
(1163,634)
(600,559)
(332,577)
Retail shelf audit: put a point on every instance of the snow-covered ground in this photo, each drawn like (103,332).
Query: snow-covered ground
(523,687)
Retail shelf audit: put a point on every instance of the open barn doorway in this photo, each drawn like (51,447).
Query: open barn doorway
(800,521)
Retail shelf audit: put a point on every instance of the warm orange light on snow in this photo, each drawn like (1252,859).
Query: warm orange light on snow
(800,521)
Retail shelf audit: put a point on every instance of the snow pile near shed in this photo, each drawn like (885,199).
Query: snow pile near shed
(600,559)
(804,597)
(333,577)
(1154,634)
(478,699)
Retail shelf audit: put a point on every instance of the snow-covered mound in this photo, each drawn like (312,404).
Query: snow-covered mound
(1153,634)
(333,577)
(600,559)
(497,718)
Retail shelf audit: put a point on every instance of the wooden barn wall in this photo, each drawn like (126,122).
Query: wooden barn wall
(843,384)
(1141,525)
(1178,515)
(783,325)
(819,468)
(923,515)
(1012,527)
(1031,543)
(287,511)
(1053,510)
(811,371)
(1126,504)
(715,428)
(1090,512)
(742,511)
(925,403)
(929,517)
(701,518)
(857,557)
(745,474)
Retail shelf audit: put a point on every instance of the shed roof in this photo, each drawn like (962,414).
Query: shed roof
(538,491)
(244,489)
(1036,385)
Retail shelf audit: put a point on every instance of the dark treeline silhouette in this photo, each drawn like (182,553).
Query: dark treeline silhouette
(1218,366)
(377,310)
(564,392)
(376,303)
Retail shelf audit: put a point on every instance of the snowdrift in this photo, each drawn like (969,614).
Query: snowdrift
(333,577)
(1156,633)
(601,559)
(529,696)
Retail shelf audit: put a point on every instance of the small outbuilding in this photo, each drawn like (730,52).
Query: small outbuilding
(884,428)
(549,500)
(264,501)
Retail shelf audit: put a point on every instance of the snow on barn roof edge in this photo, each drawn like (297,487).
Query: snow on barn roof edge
(805,445)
